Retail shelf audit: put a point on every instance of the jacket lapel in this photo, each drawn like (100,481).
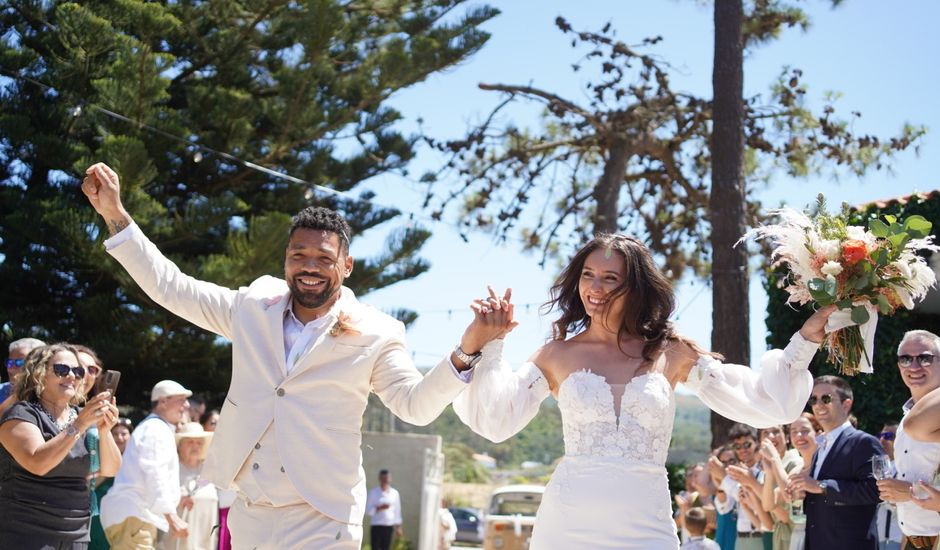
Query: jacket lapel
(832,457)
(274,323)
(322,346)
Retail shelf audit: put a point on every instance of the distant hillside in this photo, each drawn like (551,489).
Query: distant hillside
(541,441)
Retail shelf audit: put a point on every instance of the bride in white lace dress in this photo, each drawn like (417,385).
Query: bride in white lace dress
(614,381)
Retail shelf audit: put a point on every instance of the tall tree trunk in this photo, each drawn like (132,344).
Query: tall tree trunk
(727,201)
(607,191)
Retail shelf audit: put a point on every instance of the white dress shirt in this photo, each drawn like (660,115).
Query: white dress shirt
(825,442)
(389,516)
(148,484)
(915,461)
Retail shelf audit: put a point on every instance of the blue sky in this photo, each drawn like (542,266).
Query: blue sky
(877,54)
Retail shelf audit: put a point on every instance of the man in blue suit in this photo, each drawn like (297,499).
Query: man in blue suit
(841,494)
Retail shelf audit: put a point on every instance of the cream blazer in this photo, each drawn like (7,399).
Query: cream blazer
(317,409)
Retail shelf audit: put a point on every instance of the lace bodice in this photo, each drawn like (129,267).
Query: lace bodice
(642,432)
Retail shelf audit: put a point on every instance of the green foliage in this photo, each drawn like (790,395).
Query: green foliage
(878,396)
(296,87)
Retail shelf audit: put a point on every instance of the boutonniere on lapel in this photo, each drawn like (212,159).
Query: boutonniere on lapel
(344,324)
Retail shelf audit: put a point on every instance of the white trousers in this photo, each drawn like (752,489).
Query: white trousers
(295,527)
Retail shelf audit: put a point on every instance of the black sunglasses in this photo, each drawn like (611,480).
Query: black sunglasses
(15,363)
(887,436)
(62,371)
(924,359)
(745,445)
(825,398)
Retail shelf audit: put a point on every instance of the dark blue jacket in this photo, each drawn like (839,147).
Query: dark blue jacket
(844,516)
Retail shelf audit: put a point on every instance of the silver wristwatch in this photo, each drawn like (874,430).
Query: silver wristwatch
(468,358)
(73,431)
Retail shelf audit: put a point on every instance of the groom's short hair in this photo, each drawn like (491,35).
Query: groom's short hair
(317,217)
(841,385)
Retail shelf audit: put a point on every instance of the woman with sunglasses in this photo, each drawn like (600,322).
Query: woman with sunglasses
(44,462)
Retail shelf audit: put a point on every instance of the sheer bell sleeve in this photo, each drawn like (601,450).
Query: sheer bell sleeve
(498,402)
(776,395)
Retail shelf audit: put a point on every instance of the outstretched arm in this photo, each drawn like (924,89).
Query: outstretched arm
(776,395)
(204,304)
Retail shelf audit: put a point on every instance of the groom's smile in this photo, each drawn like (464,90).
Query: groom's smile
(315,267)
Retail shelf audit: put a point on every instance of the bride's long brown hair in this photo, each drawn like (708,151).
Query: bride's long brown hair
(651,298)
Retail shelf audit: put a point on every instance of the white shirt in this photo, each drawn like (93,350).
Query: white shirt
(389,516)
(730,487)
(699,543)
(148,484)
(825,442)
(915,461)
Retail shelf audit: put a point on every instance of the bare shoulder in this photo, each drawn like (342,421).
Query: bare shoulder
(549,359)
(680,354)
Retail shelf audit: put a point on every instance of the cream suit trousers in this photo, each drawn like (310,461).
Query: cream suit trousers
(295,527)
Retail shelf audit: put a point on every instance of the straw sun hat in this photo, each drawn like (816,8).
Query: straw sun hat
(194,430)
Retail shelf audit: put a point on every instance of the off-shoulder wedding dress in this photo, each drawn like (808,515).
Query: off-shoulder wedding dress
(610,490)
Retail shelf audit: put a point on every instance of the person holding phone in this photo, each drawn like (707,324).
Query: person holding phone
(44,461)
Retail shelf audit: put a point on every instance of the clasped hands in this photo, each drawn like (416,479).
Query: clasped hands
(492,319)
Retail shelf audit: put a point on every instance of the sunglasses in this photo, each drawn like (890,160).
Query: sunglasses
(804,432)
(15,363)
(887,436)
(824,398)
(745,445)
(62,371)
(906,361)
(93,370)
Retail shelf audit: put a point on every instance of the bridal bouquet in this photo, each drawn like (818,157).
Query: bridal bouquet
(863,272)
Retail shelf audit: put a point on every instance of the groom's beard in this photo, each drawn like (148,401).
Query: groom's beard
(312,299)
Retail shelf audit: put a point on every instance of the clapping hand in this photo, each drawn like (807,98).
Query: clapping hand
(803,481)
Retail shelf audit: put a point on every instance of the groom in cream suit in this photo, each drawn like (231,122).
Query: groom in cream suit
(305,355)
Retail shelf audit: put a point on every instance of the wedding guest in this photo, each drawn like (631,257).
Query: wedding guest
(383,505)
(744,473)
(726,520)
(695,522)
(889,532)
(841,495)
(803,438)
(919,366)
(44,462)
(776,464)
(209,420)
(447,528)
(16,358)
(146,491)
(93,365)
(121,432)
(199,503)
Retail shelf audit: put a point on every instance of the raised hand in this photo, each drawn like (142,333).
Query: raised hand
(492,319)
(103,189)
(814,329)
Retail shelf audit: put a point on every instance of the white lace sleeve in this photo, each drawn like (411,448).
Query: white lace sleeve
(776,395)
(498,402)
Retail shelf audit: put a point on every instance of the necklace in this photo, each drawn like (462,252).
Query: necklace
(72,416)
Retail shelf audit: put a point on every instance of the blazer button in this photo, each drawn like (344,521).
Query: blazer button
(257,446)
(282,469)
(280,392)
(255,466)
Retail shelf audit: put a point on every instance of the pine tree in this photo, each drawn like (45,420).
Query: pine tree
(299,88)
